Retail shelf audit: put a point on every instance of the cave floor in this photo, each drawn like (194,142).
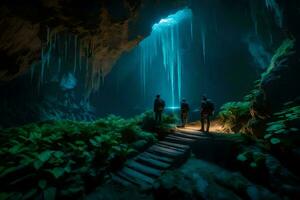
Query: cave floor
(172,152)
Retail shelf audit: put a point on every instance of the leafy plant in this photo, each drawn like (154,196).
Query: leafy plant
(252,158)
(285,126)
(42,159)
(284,50)
(234,115)
(148,123)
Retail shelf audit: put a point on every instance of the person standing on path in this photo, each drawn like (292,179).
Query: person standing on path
(184,108)
(207,110)
(158,108)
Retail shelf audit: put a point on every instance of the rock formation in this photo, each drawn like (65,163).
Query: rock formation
(107,28)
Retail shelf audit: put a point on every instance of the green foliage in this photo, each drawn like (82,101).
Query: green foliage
(284,50)
(234,115)
(43,159)
(169,119)
(148,123)
(285,126)
(252,158)
(251,96)
(280,134)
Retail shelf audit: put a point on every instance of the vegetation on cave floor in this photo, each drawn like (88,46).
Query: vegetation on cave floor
(234,166)
(252,115)
(244,116)
(41,159)
(273,132)
(63,159)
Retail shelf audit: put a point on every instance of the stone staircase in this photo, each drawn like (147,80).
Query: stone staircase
(144,169)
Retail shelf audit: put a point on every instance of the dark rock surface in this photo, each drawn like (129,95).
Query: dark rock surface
(198,179)
(109,28)
(104,30)
(280,85)
(254,174)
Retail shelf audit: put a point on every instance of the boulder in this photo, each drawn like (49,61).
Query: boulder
(198,179)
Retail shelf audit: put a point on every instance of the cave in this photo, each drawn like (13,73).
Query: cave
(149,99)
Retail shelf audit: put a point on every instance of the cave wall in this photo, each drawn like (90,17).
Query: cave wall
(111,27)
(110,30)
(239,41)
(31,91)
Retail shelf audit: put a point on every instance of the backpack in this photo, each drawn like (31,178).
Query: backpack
(208,107)
(184,107)
(161,105)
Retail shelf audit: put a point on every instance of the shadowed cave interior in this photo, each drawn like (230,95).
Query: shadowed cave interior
(80,116)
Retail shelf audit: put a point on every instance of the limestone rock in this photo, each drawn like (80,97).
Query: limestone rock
(198,179)
(109,28)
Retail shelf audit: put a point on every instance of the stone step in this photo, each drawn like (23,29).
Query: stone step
(149,171)
(159,158)
(137,175)
(166,149)
(198,133)
(172,144)
(189,131)
(190,136)
(179,140)
(182,138)
(155,149)
(121,181)
(134,181)
(170,147)
(146,167)
(153,162)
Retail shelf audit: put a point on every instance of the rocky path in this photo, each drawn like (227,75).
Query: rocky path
(165,170)
(171,152)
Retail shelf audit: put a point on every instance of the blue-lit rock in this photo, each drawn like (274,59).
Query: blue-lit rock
(164,43)
(68,82)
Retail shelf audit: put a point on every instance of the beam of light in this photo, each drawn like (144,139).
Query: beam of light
(172,108)
(164,44)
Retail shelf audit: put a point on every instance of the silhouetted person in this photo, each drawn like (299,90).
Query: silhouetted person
(207,110)
(184,108)
(159,106)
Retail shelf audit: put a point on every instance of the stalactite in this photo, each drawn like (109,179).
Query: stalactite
(49,53)
(66,49)
(192,28)
(87,63)
(165,39)
(55,37)
(48,35)
(79,55)
(102,75)
(64,53)
(253,10)
(203,39)
(271,38)
(273,5)
(75,53)
(216,21)
(42,67)
(32,70)
(59,64)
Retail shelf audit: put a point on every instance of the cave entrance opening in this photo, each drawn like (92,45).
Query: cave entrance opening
(162,55)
